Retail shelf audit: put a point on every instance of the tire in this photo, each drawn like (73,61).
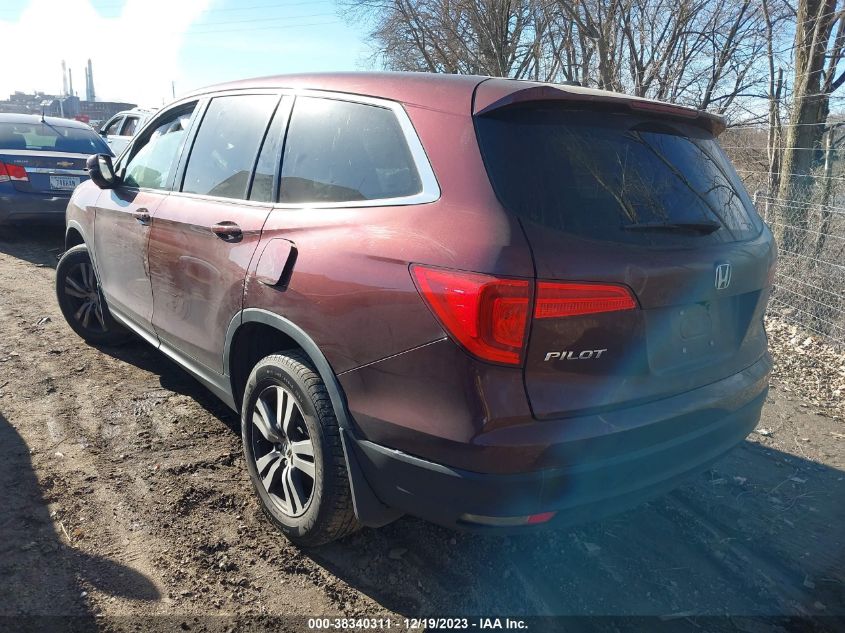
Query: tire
(308,510)
(81,300)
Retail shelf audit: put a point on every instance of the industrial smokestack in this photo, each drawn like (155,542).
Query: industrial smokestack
(70,81)
(89,83)
(64,79)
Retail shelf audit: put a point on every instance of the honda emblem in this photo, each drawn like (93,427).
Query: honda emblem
(723,276)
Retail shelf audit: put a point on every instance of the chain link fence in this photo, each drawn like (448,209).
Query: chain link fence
(809,288)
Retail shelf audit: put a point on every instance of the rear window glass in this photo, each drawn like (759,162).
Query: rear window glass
(53,138)
(338,151)
(608,176)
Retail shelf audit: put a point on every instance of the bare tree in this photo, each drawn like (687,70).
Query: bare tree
(817,54)
(489,37)
(699,52)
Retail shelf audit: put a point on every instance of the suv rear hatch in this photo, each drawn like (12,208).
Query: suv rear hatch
(634,203)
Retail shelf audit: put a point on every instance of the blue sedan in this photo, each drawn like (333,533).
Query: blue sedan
(42,160)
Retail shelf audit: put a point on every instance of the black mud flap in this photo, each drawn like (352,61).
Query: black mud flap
(369,509)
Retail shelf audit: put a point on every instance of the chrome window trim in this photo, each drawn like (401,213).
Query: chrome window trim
(56,171)
(430,191)
(220,199)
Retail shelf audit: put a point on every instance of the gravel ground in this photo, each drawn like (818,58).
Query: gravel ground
(127,498)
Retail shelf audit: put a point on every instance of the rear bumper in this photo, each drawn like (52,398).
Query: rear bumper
(33,208)
(596,476)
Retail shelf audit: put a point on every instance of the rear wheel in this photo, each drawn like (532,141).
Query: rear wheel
(293,451)
(82,302)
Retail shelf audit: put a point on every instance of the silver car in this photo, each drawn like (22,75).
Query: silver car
(120,129)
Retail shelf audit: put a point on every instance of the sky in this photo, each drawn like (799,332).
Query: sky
(140,49)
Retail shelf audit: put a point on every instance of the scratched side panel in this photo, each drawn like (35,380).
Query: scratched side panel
(198,278)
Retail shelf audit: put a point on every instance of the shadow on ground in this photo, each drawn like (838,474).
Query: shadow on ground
(759,534)
(42,574)
(39,245)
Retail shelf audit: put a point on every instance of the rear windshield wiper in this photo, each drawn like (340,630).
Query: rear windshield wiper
(702,228)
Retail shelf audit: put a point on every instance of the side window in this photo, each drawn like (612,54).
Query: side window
(268,159)
(113,127)
(152,164)
(130,126)
(338,151)
(226,145)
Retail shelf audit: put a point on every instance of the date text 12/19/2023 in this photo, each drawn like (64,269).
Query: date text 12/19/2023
(358,624)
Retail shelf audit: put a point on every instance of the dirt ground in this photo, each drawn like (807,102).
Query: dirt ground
(126,497)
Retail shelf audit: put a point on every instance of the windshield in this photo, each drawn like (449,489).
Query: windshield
(601,174)
(53,138)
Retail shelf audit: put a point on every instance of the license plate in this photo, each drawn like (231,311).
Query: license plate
(64,182)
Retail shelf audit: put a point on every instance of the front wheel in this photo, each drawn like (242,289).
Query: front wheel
(293,451)
(82,302)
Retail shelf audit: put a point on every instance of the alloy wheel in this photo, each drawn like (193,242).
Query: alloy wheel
(81,288)
(283,450)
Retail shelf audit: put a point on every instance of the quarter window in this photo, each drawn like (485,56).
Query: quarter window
(339,151)
(152,164)
(226,145)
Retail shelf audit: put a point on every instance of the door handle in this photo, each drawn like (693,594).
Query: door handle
(142,215)
(227,231)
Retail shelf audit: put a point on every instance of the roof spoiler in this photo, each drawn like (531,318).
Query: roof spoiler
(711,122)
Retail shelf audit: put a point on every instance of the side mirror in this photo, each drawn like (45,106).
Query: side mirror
(102,132)
(101,171)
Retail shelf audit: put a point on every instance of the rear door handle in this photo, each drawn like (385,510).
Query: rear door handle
(142,215)
(227,231)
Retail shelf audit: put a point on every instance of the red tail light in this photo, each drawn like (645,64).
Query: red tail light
(555,300)
(12,172)
(487,315)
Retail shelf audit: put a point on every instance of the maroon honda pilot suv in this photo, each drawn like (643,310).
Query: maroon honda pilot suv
(489,303)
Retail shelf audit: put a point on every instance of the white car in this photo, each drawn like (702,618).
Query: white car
(120,129)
